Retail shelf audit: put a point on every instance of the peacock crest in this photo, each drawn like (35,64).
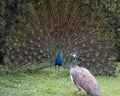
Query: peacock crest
(54,22)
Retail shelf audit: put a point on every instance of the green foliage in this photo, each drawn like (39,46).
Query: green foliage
(11,12)
(115,25)
(111,20)
(2,24)
(109,12)
(48,82)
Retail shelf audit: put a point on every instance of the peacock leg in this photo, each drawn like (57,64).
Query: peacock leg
(57,68)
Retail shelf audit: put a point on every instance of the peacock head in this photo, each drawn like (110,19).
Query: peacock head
(74,55)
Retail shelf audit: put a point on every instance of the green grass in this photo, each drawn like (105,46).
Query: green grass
(48,82)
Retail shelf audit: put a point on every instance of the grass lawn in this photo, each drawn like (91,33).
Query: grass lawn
(48,82)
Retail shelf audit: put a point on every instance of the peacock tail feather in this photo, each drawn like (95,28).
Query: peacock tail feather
(54,22)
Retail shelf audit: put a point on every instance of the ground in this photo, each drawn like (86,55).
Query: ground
(48,82)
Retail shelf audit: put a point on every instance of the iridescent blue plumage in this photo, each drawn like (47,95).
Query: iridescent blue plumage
(58,61)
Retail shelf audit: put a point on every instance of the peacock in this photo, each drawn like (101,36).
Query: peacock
(83,79)
(52,30)
(58,61)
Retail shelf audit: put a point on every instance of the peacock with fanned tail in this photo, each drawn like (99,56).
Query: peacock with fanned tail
(54,30)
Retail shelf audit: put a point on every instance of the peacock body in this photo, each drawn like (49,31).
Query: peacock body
(51,23)
(83,79)
(58,61)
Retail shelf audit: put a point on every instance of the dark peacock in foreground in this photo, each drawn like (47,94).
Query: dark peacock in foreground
(57,28)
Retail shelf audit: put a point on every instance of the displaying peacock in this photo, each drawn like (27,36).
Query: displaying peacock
(58,61)
(53,30)
(83,79)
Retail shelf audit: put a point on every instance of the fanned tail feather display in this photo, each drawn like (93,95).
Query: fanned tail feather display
(55,22)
